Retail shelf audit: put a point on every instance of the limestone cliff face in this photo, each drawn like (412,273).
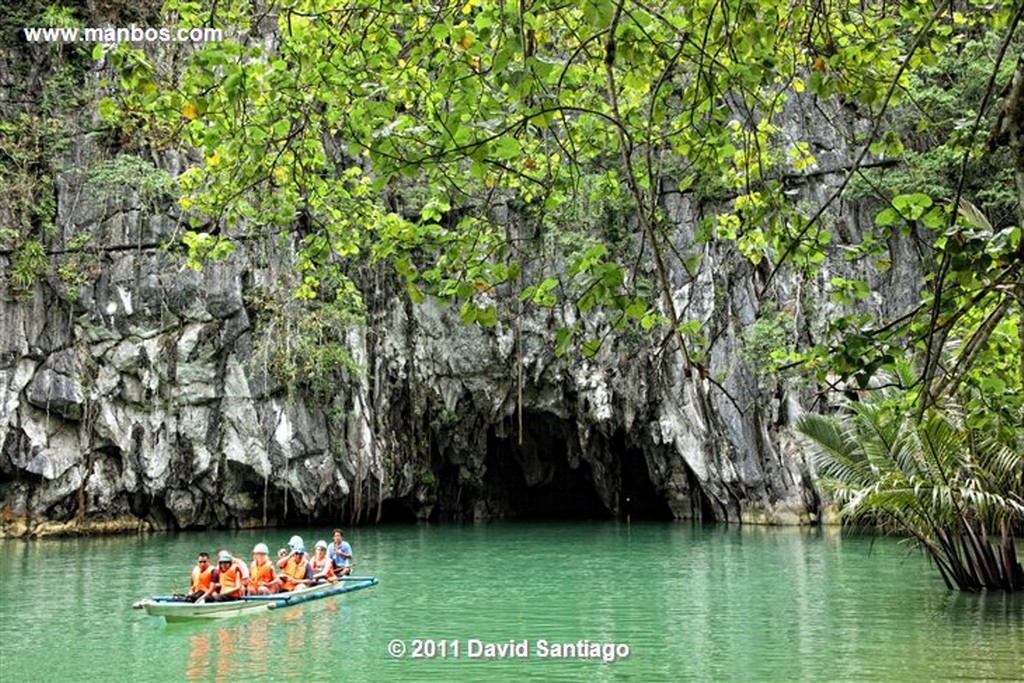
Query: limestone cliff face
(139,394)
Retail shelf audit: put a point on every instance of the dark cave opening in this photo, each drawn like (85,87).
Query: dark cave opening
(638,497)
(541,479)
(392,511)
(535,480)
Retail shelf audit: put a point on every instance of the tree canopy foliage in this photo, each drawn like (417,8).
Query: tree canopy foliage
(405,134)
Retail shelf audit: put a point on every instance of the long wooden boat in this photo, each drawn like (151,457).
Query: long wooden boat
(173,608)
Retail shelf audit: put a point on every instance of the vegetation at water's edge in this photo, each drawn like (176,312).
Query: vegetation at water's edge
(953,488)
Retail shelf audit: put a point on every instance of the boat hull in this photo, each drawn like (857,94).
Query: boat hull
(175,609)
(178,611)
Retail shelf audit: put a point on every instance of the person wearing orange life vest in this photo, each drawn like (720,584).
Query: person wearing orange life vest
(295,568)
(243,568)
(230,585)
(202,579)
(262,580)
(323,567)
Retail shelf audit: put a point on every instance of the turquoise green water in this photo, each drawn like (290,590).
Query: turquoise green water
(689,604)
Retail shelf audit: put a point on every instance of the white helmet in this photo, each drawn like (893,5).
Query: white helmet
(321,544)
(261,548)
(296,542)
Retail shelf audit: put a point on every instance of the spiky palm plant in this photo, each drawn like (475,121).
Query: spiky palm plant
(958,493)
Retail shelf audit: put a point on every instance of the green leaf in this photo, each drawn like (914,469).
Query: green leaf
(468,313)
(563,339)
(650,319)
(613,276)
(689,327)
(591,347)
(487,317)
(911,206)
(107,109)
(598,13)
(636,309)
(887,217)
(861,289)
(506,147)
(934,219)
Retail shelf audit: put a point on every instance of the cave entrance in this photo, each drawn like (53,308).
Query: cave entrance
(535,480)
(393,511)
(638,497)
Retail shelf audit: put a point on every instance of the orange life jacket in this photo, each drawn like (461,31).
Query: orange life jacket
(293,570)
(230,579)
(260,574)
(318,567)
(201,579)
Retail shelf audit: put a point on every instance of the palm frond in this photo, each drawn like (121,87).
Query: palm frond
(953,491)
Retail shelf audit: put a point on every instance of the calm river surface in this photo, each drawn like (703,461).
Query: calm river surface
(689,603)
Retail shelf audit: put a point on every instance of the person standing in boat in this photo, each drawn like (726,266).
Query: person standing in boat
(295,568)
(323,567)
(202,579)
(340,553)
(229,585)
(262,580)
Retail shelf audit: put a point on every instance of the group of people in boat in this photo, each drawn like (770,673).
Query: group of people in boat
(229,578)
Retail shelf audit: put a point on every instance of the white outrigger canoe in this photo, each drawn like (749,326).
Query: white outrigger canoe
(174,608)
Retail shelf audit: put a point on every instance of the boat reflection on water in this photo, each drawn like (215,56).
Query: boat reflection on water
(259,647)
(198,657)
(214,653)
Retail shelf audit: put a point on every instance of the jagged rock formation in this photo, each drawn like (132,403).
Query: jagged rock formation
(141,393)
